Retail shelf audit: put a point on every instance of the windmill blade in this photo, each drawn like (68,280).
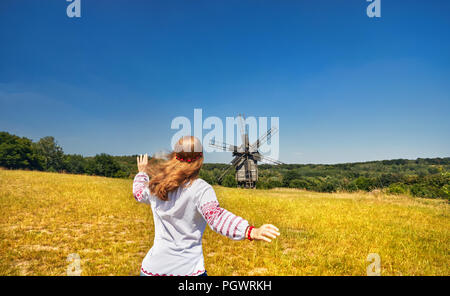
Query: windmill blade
(257,156)
(268,159)
(223,146)
(237,160)
(264,138)
(242,127)
(233,163)
(223,174)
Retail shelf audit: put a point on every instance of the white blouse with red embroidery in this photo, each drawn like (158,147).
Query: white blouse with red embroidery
(179,225)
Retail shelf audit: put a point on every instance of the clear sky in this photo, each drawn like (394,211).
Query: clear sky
(345,87)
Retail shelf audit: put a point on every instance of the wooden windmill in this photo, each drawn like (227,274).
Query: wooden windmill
(246,157)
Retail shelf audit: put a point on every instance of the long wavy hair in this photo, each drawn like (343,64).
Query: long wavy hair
(180,168)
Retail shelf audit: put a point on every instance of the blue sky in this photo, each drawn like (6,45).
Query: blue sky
(346,87)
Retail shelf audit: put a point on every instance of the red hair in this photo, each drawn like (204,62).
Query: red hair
(181,167)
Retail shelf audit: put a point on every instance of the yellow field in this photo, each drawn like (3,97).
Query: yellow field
(46,216)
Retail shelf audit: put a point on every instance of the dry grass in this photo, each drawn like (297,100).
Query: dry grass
(45,217)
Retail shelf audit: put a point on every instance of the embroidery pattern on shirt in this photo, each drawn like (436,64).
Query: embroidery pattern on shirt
(211,211)
(163,274)
(139,185)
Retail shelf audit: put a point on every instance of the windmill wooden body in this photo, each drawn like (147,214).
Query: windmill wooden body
(246,157)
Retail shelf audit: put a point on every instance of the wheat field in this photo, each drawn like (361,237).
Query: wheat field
(47,216)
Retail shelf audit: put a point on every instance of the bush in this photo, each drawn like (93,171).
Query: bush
(397,188)
(274,183)
(299,183)
(421,190)
(433,186)
(446,191)
(328,185)
(262,185)
(229,181)
(288,177)
(363,183)
(351,187)
(207,176)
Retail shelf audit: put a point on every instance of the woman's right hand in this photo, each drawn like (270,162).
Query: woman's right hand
(142,161)
(265,233)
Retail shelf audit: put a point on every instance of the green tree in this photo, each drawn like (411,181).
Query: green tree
(208,176)
(397,188)
(18,153)
(262,184)
(229,181)
(289,176)
(363,183)
(329,185)
(104,165)
(75,164)
(421,190)
(274,182)
(299,183)
(51,153)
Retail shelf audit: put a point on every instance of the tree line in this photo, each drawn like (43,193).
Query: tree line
(46,155)
(423,177)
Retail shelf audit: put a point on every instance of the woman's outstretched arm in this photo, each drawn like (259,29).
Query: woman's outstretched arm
(140,183)
(228,224)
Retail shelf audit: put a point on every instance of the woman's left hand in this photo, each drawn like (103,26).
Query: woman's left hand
(267,232)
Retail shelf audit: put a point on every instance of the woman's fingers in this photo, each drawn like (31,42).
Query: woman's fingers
(142,160)
(265,239)
(272,227)
(273,232)
(268,234)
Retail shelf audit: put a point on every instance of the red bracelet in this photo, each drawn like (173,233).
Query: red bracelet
(250,231)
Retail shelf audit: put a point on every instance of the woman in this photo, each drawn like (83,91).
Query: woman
(182,205)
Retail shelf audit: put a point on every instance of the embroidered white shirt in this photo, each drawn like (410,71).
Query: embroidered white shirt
(179,225)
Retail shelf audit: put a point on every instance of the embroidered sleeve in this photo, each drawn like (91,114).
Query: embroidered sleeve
(140,188)
(219,219)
